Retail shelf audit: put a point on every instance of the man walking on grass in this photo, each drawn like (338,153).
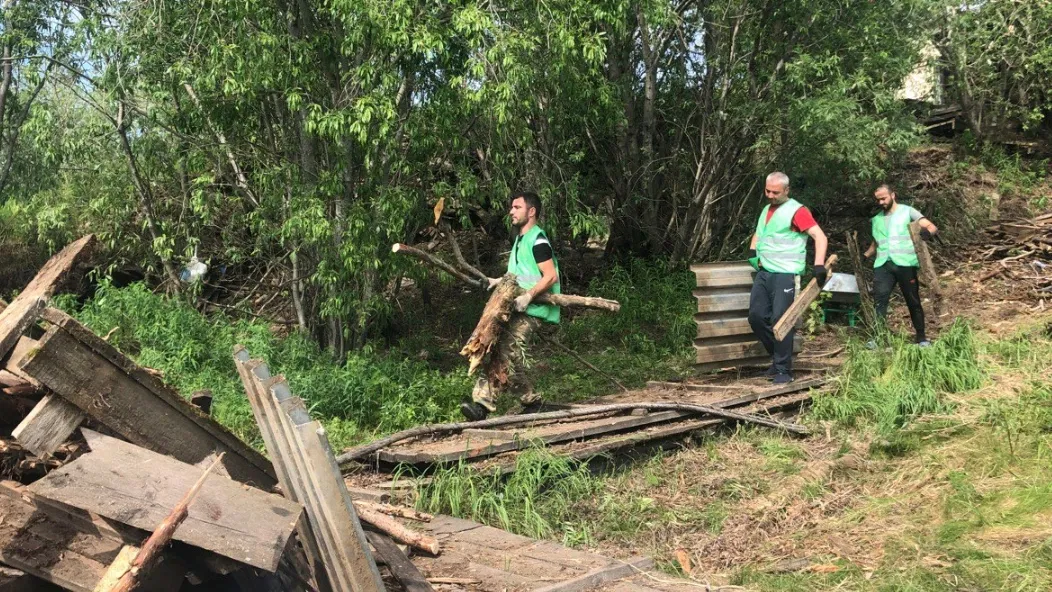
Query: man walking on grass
(533,262)
(778,252)
(896,261)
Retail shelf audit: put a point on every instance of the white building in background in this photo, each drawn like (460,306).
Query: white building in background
(925,82)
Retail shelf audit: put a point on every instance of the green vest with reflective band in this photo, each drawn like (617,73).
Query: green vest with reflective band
(524,266)
(780,248)
(894,240)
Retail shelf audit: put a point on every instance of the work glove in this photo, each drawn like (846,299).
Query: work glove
(925,234)
(522,301)
(754,260)
(492,283)
(820,275)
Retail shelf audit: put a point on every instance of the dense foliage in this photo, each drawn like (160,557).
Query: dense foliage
(290,143)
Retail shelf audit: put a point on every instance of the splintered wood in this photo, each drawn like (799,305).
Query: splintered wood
(1019,251)
(491,325)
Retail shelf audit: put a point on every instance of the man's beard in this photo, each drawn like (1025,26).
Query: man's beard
(888,206)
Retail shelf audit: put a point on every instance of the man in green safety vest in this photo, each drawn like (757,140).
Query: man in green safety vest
(533,262)
(896,261)
(778,252)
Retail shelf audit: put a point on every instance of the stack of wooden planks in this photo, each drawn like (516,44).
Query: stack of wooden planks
(724,337)
(97,452)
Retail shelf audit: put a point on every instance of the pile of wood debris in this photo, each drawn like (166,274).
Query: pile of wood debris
(1020,251)
(105,486)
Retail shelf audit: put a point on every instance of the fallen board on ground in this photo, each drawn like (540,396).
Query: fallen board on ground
(456,450)
(79,366)
(139,488)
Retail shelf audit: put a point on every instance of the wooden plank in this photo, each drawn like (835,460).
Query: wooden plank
(720,267)
(287,463)
(861,279)
(48,425)
(722,327)
(401,568)
(139,488)
(600,576)
(488,447)
(796,311)
(22,347)
(21,312)
(735,351)
(311,468)
(154,416)
(721,302)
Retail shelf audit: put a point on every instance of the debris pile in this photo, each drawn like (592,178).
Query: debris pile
(112,481)
(1020,251)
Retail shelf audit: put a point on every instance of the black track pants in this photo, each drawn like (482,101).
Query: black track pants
(884,279)
(772,294)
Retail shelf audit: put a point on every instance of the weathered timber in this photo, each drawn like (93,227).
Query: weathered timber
(723,275)
(150,554)
(22,347)
(438,429)
(603,575)
(796,311)
(80,367)
(734,352)
(401,568)
(711,301)
(399,532)
(312,476)
(869,313)
(21,312)
(726,325)
(139,488)
(927,276)
(48,425)
(491,325)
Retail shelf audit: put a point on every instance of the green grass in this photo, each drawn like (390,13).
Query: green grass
(898,381)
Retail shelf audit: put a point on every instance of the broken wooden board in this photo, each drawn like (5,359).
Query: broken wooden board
(306,466)
(91,374)
(60,552)
(803,300)
(456,449)
(48,425)
(139,488)
(21,312)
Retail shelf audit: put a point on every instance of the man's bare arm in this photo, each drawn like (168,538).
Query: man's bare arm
(821,243)
(548,278)
(752,243)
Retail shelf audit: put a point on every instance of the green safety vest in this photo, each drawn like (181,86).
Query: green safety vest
(525,268)
(893,240)
(780,248)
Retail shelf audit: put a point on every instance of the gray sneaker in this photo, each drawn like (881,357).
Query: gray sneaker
(924,343)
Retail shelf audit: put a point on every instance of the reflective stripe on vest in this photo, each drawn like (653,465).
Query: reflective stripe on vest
(780,248)
(893,240)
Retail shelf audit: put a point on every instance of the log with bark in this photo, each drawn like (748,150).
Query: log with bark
(398,531)
(861,279)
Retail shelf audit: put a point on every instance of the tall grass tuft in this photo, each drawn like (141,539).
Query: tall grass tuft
(536,500)
(888,387)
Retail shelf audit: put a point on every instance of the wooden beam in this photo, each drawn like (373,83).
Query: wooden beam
(48,425)
(91,374)
(21,312)
(711,301)
(139,488)
(796,312)
(722,326)
(928,275)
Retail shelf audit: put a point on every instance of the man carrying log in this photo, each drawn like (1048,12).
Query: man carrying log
(533,262)
(896,261)
(778,252)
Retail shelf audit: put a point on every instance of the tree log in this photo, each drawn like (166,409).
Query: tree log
(398,531)
(160,538)
(483,284)
(928,276)
(509,420)
(390,510)
(861,280)
(799,306)
(491,324)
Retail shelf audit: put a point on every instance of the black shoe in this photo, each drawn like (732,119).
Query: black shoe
(770,373)
(474,411)
(783,378)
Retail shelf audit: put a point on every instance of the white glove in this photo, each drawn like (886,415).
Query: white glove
(493,283)
(522,302)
